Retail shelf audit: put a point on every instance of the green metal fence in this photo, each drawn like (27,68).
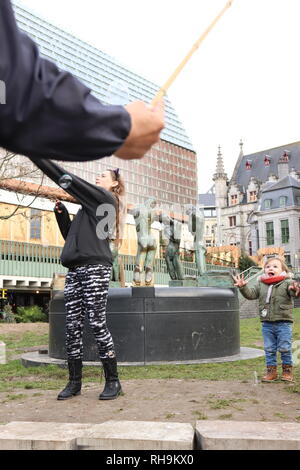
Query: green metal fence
(33,260)
(29,259)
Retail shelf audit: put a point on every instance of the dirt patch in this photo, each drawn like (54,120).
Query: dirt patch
(169,400)
(158,400)
(20,328)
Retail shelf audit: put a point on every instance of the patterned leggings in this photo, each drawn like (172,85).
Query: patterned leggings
(86,291)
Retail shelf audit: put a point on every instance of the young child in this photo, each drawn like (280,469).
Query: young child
(274,290)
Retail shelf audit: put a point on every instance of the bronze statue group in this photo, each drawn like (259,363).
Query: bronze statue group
(171,219)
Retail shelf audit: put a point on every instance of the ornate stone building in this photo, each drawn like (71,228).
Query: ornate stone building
(259,206)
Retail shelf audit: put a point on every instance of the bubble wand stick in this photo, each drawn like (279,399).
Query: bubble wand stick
(163,90)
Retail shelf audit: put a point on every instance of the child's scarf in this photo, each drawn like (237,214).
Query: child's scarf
(273,279)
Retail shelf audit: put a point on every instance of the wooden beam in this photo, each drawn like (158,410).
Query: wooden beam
(34,189)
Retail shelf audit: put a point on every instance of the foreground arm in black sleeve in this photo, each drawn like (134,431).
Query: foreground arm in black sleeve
(50,114)
(88,195)
(63,218)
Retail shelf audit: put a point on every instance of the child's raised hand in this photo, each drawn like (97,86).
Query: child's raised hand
(295,286)
(239,280)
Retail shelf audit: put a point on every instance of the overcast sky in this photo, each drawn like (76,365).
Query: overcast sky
(242,83)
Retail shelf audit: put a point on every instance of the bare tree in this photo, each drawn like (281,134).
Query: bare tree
(14,166)
(20,175)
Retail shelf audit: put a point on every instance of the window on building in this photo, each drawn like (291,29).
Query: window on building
(257,236)
(248,164)
(35,224)
(209,212)
(250,247)
(267,160)
(233,199)
(232,221)
(282,201)
(285,232)
(270,233)
(253,196)
(267,203)
(287,258)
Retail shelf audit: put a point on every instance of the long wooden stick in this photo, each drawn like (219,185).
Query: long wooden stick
(165,87)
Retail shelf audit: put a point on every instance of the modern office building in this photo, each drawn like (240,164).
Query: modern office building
(169,171)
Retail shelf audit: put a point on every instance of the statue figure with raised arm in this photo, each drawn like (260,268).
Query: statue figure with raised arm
(171,235)
(196,228)
(115,272)
(144,216)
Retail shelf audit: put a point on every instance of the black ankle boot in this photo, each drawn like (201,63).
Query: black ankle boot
(112,387)
(73,387)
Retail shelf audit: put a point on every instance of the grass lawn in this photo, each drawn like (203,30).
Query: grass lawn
(15,378)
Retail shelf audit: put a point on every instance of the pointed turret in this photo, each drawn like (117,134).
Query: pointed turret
(241,147)
(220,179)
(220,171)
(239,160)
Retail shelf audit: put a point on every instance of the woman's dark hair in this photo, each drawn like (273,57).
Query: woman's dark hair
(119,193)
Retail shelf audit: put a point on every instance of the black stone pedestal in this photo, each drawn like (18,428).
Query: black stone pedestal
(159,324)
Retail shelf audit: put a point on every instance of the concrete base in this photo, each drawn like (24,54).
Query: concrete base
(144,435)
(208,279)
(32,359)
(138,435)
(19,435)
(238,435)
(215,279)
(111,435)
(115,284)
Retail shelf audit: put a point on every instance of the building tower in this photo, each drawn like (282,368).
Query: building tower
(221,180)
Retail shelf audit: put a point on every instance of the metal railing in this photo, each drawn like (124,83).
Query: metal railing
(34,260)
(251,272)
(29,259)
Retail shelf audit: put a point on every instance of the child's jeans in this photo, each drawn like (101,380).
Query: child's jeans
(277,337)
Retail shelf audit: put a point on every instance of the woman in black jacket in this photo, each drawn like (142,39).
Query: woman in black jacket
(88,256)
